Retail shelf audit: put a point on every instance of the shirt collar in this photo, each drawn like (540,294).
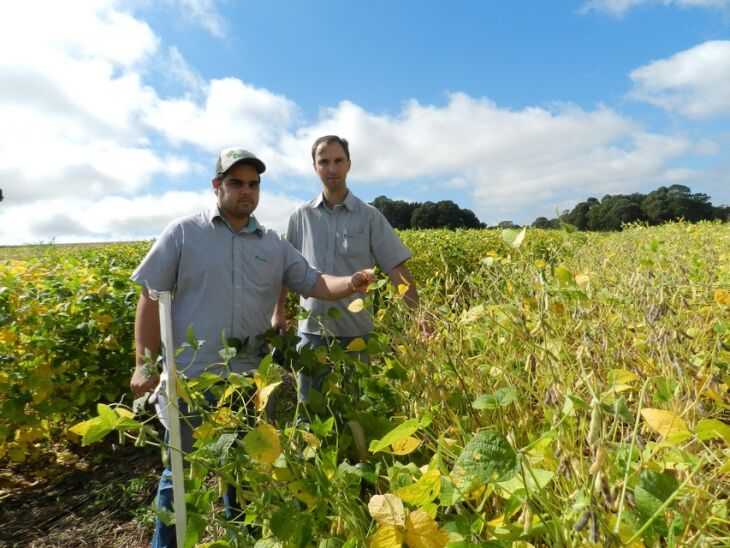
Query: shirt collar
(348,202)
(252,227)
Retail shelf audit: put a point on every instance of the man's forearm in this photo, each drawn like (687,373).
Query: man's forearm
(146,327)
(332,288)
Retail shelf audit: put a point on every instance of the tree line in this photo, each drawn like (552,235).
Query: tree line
(608,214)
(659,206)
(443,214)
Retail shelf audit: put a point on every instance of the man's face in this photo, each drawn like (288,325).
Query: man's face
(238,192)
(332,166)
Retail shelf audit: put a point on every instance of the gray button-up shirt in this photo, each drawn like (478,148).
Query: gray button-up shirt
(352,236)
(224,284)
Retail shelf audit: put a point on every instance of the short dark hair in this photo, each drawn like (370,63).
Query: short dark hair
(331,139)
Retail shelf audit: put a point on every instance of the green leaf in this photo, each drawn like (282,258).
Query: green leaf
(652,491)
(623,412)
(502,397)
(400,432)
(563,275)
(488,457)
(708,429)
(535,480)
(485,401)
(322,428)
(514,237)
(194,530)
(106,414)
(505,396)
(283,520)
(334,313)
(92,430)
(190,338)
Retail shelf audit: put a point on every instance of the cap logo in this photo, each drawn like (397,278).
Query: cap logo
(235,154)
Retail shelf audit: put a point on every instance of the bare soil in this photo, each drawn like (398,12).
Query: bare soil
(101,496)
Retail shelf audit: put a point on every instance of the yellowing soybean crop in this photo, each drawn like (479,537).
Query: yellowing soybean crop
(575,391)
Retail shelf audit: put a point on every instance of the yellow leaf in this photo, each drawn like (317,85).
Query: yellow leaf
(387,509)
(300,490)
(356,306)
(262,444)
(582,279)
(82,427)
(224,417)
(423,491)
(321,354)
(665,423)
(406,445)
(388,536)
(423,532)
(622,376)
(357,345)
(204,431)
(124,412)
(311,439)
(403,289)
(722,296)
(262,395)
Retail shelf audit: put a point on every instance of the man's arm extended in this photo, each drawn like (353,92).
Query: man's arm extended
(332,288)
(146,336)
(327,288)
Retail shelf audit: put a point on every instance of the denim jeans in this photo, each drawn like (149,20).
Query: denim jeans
(164,535)
(307,383)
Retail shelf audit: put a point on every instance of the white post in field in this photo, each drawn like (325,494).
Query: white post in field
(173,415)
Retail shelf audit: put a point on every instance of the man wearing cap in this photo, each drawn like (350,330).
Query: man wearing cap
(226,272)
(335,232)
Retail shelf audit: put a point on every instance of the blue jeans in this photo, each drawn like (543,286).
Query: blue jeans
(307,383)
(164,535)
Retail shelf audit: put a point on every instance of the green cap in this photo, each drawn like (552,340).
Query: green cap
(235,155)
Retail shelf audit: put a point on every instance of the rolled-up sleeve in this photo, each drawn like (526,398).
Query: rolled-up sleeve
(299,275)
(158,270)
(387,248)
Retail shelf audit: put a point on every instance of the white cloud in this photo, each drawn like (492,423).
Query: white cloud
(233,112)
(620,7)
(77,219)
(512,160)
(203,13)
(694,82)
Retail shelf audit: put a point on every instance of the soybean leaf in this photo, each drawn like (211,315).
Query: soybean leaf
(652,491)
(488,457)
(400,432)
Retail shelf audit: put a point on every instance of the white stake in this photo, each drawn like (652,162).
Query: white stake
(173,417)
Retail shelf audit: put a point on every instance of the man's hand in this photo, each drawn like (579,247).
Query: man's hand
(142,382)
(361,279)
(278,321)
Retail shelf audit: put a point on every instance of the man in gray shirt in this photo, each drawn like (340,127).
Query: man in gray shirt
(226,273)
(338,232)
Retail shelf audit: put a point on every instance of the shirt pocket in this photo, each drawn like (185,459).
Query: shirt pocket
(260,270)
(354,244)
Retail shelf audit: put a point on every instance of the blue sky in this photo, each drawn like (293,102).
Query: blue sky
(111,113)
